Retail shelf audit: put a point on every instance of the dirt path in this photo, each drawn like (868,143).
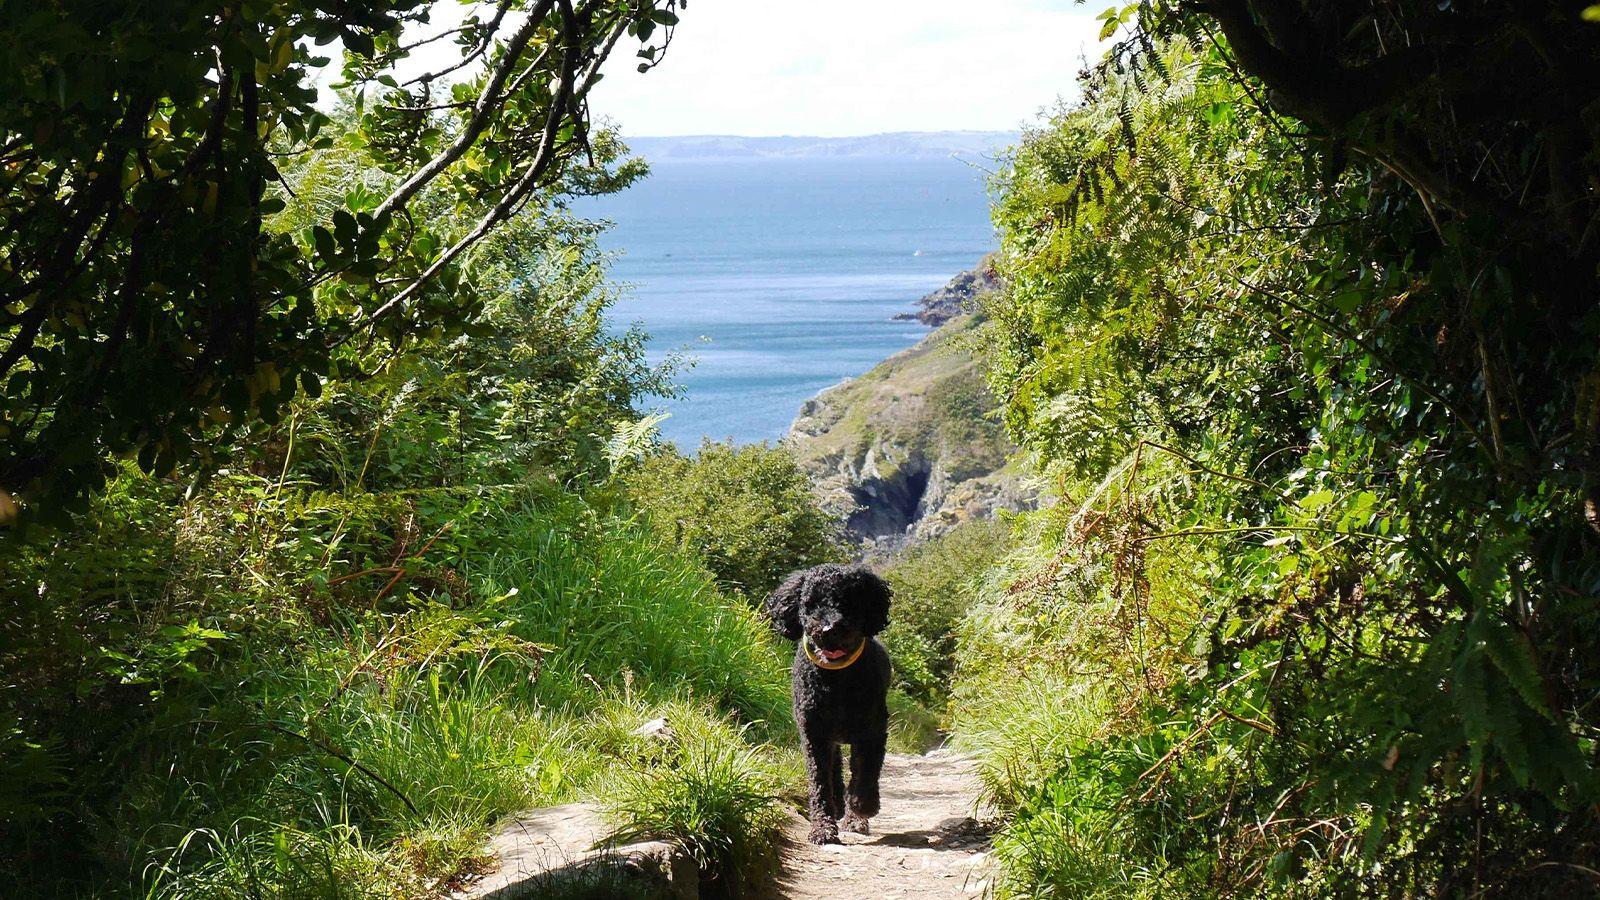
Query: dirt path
(924,844)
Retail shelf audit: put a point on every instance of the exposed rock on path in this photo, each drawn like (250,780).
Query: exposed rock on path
(543,850)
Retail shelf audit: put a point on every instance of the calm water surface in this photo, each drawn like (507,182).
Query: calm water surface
(781,276)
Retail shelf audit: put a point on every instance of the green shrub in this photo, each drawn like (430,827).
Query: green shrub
(385,623)
(746,510)
(536,392)
(934,584)
(1316,619)
(714,796)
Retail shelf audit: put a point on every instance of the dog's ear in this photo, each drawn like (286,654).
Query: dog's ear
(783,605)
(873,595)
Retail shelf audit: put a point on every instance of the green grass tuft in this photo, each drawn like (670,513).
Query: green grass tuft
(713,795)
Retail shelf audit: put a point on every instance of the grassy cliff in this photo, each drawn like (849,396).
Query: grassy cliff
(909,450)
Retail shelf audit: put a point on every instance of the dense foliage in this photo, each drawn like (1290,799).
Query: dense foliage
(934,583)
(311,693)
(156,303)
(412,605)
(747,511)
(341,540)
(328,671)
(1301,319)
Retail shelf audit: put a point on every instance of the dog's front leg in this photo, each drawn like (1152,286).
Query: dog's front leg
(866,764)
(820,756)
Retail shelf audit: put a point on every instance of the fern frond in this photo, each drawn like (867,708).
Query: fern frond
(634,440)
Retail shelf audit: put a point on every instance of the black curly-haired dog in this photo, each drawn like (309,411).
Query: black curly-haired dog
(841,688)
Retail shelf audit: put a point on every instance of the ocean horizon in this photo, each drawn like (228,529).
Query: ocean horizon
(782,275)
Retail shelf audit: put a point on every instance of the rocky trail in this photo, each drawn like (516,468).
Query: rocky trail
(926,844)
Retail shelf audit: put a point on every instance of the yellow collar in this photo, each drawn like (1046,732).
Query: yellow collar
(819,662)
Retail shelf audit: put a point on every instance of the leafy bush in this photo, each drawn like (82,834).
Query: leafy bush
(1312,619)
(329,669)
(536,392)
(394,604)
(746,510)
(156,305)
(934,584)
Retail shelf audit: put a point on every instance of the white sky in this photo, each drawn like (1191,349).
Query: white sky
(851,67)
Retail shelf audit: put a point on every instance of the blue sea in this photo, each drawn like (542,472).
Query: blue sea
(781,276)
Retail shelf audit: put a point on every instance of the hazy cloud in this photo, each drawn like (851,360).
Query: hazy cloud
(848,67)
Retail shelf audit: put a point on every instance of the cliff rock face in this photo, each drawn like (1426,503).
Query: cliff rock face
(958,297)
(907,452)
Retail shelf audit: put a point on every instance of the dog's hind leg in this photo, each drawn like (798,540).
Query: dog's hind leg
(836,784)
(866,764)
(821,756)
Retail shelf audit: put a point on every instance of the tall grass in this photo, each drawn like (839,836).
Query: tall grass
(306,740)
(1052,677)
(609,603)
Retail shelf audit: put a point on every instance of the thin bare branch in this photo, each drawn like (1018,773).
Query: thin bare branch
(478,51)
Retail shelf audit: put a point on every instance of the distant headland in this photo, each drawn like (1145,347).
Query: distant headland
(915,144)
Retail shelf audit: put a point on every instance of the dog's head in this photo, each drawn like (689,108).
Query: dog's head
(833,607)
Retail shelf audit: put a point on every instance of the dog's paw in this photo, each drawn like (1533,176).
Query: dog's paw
(864,807)
(856,824)
(824,834)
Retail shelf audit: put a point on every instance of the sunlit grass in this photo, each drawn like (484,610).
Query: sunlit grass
(374,760)
(710,793)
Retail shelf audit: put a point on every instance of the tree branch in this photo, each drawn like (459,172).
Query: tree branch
(543,157)
(487,107)
(1308,84)
(483,45)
